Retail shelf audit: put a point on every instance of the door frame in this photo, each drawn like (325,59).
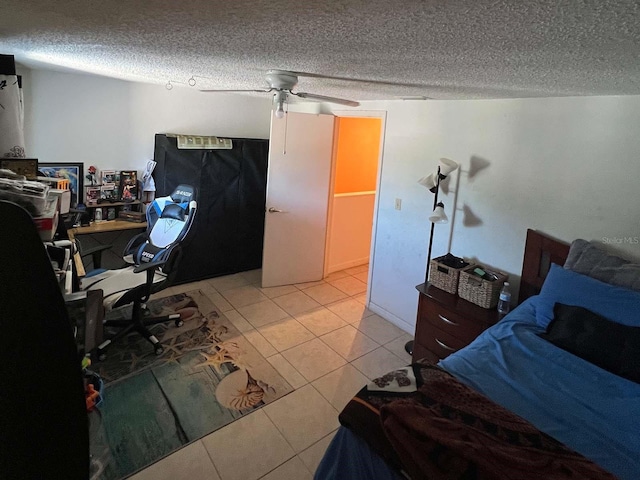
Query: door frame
(382,115)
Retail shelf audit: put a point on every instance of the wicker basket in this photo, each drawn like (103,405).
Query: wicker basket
(444,277)
(484,293)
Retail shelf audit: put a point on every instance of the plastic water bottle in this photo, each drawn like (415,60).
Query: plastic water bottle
(504,304)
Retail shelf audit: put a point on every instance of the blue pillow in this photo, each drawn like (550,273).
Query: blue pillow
(565,286)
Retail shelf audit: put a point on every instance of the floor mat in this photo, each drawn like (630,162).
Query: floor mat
(208,376)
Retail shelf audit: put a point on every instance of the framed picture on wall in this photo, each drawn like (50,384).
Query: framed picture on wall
(22,166)
(73,172)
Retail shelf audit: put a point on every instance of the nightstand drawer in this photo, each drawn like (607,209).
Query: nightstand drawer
(447,323)
(453,323)
(442,343)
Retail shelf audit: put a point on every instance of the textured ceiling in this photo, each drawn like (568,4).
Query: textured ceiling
(369,49)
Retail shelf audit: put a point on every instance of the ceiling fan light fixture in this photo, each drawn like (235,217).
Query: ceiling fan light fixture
(279,98)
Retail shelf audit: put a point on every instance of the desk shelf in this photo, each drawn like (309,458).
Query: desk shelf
(135,206)
(114,204)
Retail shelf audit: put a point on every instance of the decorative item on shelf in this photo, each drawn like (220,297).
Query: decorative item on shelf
(108,193)
(128,185)
(148,183)
(92,195)
(91,176)
(481,286)
(108,177)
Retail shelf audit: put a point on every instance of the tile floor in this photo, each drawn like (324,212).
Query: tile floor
(323,341)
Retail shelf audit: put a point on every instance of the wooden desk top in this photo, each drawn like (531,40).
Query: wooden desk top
(108,226)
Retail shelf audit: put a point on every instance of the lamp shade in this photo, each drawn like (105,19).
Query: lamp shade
(446,167)
(429,182)
(438,215)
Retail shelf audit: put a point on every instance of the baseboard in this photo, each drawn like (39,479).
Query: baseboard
(397,321)
(349,264)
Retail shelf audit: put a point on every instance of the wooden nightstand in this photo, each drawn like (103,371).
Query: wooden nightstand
(446,323)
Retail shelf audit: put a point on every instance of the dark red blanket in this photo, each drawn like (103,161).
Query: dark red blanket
(446,430)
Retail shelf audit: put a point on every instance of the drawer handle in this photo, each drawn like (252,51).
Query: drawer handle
(446,320)
(446,347)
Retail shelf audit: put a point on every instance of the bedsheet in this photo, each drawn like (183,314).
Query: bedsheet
(588,409)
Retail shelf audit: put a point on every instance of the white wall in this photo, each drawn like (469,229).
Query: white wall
(111,123)
(569,167)
(566,166)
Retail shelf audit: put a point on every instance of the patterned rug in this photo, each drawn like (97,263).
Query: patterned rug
(208,376)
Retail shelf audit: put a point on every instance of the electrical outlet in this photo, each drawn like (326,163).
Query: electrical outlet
(398,204)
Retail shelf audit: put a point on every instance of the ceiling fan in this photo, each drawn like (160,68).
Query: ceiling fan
(282,82)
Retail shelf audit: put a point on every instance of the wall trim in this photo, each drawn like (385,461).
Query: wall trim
(354,194)
(397,321)
(349,264)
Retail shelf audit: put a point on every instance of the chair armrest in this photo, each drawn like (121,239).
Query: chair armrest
(148,266)
(135,242)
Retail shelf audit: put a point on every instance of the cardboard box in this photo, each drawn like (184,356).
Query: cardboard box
(65,199)
(131,216)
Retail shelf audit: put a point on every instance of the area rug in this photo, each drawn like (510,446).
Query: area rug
(208,376)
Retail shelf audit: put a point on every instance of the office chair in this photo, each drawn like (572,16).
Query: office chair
(153,257)
(43,418)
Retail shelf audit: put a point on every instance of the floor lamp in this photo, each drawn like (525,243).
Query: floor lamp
(438,215)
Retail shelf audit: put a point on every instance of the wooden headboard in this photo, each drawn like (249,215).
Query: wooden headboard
(540,251)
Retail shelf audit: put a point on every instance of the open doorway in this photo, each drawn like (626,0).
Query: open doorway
(352,203)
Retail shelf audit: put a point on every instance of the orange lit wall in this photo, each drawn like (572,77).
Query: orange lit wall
(357,154)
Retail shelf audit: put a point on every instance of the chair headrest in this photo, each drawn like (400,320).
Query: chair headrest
(173,210)
(183,193)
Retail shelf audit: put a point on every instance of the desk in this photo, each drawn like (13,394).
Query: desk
(107,226)
(116,233)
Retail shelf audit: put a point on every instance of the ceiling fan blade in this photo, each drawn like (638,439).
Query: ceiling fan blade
(364,80)
(240,91)
(323,98)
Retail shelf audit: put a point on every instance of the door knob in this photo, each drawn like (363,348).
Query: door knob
(274,210)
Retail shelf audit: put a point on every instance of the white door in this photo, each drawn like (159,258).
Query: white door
(299,173)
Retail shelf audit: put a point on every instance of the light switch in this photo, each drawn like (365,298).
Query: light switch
(398,204)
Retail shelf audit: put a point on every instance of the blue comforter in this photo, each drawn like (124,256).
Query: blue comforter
(588,409)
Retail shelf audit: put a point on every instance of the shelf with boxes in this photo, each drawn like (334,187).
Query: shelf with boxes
(105,211)
(115,197)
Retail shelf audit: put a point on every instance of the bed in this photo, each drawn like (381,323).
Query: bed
(550,391)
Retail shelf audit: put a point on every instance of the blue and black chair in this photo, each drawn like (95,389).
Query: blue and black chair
(153,258)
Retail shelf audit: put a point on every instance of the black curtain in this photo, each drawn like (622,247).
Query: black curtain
(227,234)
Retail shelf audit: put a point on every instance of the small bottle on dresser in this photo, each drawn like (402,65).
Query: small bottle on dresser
(504,303)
